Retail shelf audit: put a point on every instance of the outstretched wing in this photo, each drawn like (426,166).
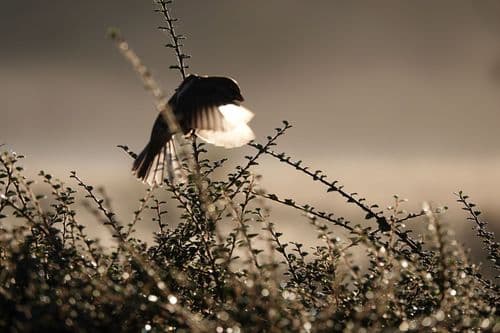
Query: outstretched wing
(197,100)
(235,130)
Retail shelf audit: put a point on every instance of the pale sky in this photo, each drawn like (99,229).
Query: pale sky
(387,96)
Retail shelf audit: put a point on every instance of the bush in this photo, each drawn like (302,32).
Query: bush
(198,276)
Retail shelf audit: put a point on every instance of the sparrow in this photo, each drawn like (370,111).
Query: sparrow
(206,106)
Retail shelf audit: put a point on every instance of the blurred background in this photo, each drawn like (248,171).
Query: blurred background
(388,97)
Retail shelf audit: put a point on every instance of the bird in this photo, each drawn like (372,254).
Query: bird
(208,107)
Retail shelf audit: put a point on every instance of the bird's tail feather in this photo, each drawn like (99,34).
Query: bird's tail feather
(176,173)
(151,164)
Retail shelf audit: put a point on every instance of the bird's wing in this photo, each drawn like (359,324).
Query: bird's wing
(236,131)
(197,102)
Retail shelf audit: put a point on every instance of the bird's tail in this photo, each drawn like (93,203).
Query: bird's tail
(153,165)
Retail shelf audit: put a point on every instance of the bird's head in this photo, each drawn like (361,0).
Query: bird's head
(234,89)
